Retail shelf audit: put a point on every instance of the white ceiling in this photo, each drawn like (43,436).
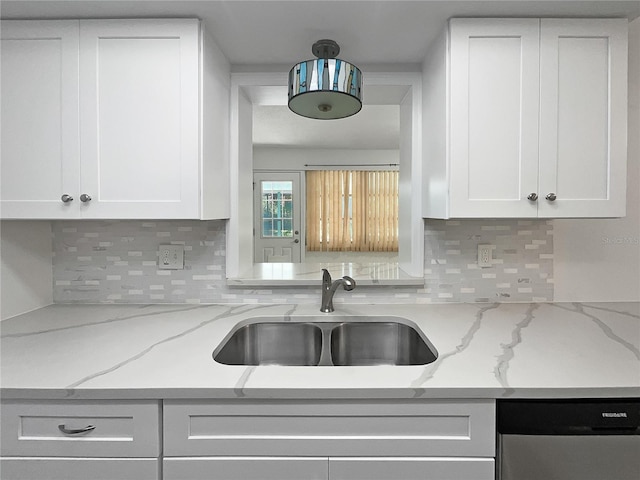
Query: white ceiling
(278,34)
(282,32)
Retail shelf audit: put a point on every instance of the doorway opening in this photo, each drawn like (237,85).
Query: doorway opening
(253,92)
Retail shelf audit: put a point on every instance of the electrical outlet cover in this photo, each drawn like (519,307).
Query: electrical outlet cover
(485,255)
(171,257)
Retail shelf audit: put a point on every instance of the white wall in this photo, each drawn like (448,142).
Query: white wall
(215,91)
(26,279)
(274,158)
(599,260)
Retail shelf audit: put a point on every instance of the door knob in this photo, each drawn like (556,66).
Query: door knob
(84,198)
(551,197)
(296,241)
(532,196)
(66,198)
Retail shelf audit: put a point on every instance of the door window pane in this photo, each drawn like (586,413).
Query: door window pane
(277,209)
(267,228)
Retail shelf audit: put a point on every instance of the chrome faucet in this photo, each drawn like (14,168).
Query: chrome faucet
(329,289)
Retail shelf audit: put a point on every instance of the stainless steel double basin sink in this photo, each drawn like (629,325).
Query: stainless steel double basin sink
(319,341)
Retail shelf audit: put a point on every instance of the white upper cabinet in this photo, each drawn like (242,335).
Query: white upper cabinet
(526,118)
(583,118)
(138,87)
(139,111)
(494,116)
(39,106)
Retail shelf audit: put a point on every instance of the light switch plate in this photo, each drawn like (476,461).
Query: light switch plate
(171,257)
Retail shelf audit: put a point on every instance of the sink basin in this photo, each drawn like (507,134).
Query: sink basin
(378,343)
(311,341)
(272,343)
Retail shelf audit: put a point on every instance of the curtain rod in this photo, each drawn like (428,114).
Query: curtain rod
(351,165)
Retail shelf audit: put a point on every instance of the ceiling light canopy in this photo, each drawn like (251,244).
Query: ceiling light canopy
(326,88)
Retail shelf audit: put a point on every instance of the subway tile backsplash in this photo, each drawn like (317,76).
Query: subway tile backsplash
(116,262)
(522,266)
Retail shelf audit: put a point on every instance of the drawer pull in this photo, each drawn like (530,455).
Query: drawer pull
(75,431)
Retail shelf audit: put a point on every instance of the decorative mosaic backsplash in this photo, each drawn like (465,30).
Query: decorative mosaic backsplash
(116,262)
(522,266)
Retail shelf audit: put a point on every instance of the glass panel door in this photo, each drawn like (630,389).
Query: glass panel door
(277,214)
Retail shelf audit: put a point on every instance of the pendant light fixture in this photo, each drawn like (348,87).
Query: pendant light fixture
(326,88)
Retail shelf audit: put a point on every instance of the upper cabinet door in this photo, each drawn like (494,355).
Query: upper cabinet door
(140,118)
(494,94)
(40,142)
(583,117)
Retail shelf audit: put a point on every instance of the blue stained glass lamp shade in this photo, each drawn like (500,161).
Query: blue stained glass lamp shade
(325,89)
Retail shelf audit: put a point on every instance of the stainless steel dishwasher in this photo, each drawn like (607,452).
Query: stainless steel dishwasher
(568,440)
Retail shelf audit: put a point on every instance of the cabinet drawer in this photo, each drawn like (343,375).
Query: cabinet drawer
(447,428)
(411,468)
(55,468)
(245,468)
(122,429)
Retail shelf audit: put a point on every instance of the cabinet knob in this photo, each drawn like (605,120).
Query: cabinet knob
(532,196)
(75,431)
(551,197)
(84,198)
(66,198)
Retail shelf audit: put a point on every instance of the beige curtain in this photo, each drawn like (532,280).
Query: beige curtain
(369,225)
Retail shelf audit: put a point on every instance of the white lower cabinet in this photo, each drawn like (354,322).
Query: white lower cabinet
(248,440)
(52,468)
(245,468)
(319,468)
(346,440)
(420,468)
(51,440)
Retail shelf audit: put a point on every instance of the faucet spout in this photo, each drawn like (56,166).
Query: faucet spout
(329,289)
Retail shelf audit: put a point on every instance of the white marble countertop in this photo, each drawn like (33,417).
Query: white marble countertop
(165,351)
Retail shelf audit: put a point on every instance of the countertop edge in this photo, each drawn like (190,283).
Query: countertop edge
(214,394)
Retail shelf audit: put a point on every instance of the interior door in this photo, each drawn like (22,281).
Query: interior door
(277,217)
